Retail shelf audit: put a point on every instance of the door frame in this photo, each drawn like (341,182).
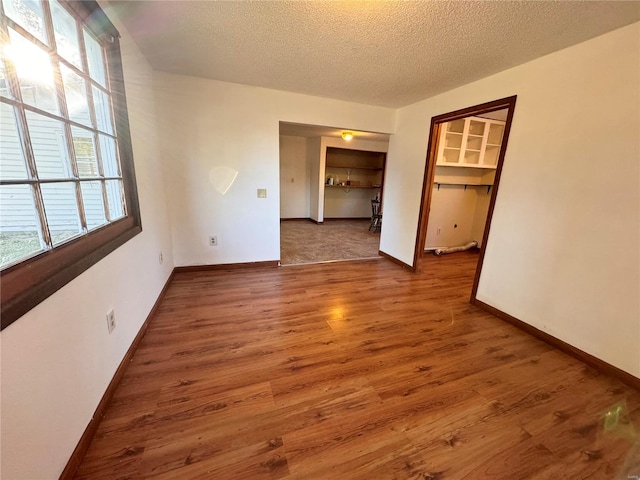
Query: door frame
(429,173)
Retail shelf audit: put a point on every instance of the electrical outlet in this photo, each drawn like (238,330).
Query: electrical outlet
(438,231)
(262,193)
(160,258)
(111,321)
(213,241)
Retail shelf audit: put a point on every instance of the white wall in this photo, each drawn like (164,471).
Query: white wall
(483,198)
(453,205)
(315,179)
(58,359)
(346,202)
(208,124)
(455,212)
(295,177)
(563,251)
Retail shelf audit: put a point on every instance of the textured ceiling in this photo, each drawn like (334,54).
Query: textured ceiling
(387,53)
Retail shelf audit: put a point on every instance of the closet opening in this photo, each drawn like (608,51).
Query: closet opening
(464,163)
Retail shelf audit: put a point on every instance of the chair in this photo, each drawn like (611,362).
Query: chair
(376,216)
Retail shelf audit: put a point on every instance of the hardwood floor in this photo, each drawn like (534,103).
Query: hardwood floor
(355,371)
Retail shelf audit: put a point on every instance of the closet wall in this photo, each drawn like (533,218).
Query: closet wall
(457,215)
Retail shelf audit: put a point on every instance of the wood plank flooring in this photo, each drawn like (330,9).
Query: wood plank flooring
(355,371)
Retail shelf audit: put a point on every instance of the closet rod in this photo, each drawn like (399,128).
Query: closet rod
(466,185)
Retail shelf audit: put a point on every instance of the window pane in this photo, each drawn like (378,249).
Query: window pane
(61,207)
(4,82)
(49,146)
(28,14)
(115,199)
(109,159)
(20,235)
(85,152)
(93,204)
(12,164)
(94,56)
(476,128)
(64,26)
(103,110)
(35,73)
(75,92)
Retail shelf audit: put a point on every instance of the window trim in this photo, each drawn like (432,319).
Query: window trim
(27,283)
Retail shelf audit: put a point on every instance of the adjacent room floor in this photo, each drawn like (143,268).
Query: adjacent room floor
(302,241)
(362,371)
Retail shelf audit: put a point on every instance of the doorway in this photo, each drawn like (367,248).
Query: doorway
(466,151)
(327,184)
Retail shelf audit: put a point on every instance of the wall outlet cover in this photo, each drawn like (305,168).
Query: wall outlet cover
(111,321)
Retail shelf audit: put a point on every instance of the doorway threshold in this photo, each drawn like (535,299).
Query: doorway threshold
(320,262)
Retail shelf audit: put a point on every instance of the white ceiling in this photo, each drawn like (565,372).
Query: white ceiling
(299,130)
(387,53)
(498,115)
(303,130)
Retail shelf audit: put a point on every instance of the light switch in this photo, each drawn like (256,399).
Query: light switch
(262,193)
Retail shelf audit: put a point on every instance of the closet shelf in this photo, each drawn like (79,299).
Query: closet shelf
(351,186)
(354,168)
(465,185)
(464,165)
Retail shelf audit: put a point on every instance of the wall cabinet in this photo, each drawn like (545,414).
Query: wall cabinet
(354,177)
(470,142)
(351,179)
(354,168)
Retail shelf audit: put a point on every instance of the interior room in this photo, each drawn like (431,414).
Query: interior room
(146,166)
(331,180)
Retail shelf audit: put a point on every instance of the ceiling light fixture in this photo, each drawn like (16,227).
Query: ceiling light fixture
(347,136)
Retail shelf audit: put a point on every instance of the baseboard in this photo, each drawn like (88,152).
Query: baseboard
(80,451)
(433,249)
(301,219)
(585,357)
(227,266)
(325,218)
(396,261)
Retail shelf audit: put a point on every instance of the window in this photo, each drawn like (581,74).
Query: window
(67,186)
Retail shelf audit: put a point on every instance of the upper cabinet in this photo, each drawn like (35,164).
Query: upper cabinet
(470,142)
(354,168)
